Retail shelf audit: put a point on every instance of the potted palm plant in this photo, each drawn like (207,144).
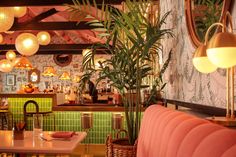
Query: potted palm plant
(133,42)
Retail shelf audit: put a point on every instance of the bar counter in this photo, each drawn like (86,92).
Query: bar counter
(67,116)
(88,107)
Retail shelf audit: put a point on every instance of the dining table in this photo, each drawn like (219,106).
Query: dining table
(43,144)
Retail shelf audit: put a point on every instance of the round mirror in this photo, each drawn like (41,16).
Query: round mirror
(201,14)
(62,59)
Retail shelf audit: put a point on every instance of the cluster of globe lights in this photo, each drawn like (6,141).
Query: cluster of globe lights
(27,44)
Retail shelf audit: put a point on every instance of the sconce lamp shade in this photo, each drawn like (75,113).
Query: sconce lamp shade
(65,76)
(1,38)
(49,71)
(201,61)
(44,38)
(5,65)
(6,18)
(221,50)
(23,63)
(10,55)
(19,11)
(27,44)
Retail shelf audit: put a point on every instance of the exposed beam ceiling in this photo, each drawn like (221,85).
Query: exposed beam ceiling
(51,26)
(5,3)
(55,49)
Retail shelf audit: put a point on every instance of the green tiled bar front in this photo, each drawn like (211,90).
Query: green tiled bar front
(65,120)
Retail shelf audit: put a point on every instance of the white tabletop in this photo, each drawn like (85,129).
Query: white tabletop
(35,145)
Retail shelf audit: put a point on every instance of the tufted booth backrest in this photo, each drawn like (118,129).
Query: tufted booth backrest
(168,133)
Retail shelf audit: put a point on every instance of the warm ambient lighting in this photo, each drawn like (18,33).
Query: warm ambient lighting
(5,65)
(49,71)
(85,52)
(27,44)
(10,55)
(23,63)
(6,19)
(19,11)
(9,32)
(65,76)
(221,49)
(44,38)
(201,61)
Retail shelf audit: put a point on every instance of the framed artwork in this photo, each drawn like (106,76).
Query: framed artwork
(11,80)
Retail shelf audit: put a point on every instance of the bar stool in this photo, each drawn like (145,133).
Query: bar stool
(30,114)
(86,124)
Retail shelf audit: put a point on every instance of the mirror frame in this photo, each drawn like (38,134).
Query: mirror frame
(70,56)
(190,23)
(29,74)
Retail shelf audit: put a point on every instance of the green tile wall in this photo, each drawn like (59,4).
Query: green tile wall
(65,120)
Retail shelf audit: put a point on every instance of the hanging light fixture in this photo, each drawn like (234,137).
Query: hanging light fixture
(23,63)
(5,65)
(44,38)
(19,11)
(65,76)
(49,71)
(10,55)
(85,52)
(76,79)
(6,19)
(27,44)
(1,38)
(9,32)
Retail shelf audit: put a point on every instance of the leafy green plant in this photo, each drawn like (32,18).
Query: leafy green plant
(133,41)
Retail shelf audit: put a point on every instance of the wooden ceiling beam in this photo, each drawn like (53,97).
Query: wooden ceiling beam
(56,49)
(11,3)
(43,15)
(52,26)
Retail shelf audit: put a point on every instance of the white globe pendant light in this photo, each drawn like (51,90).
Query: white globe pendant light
(6,18)
(44,38)
(5,65)
(19,11)
(27,44)
(10,55)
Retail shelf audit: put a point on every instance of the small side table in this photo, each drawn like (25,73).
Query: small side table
(227,122)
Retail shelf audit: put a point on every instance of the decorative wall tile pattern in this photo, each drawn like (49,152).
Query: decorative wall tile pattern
(41,61)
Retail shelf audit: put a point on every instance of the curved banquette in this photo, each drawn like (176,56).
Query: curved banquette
(166,132)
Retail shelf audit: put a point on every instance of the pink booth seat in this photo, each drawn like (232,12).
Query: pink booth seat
(168,133)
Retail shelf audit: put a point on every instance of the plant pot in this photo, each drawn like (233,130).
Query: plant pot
(120,147)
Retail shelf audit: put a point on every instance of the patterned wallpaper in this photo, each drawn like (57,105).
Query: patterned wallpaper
(185,82)
(41,61)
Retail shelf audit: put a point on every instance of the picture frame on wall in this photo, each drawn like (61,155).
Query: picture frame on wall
(10,80)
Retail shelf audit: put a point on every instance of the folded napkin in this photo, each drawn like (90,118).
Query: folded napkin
(63,134)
